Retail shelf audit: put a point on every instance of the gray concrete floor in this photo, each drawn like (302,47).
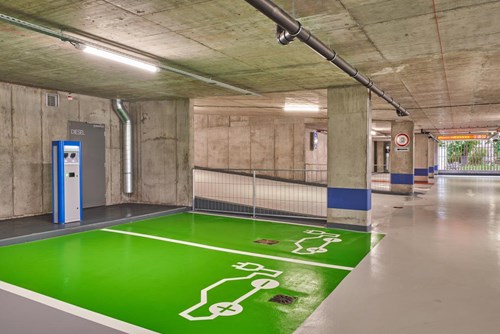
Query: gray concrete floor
(31,228)
(22,316)
(436,271)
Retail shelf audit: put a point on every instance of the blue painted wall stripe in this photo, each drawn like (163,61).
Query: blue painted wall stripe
(350,199)
(421,172)
(402,179)
(431,169)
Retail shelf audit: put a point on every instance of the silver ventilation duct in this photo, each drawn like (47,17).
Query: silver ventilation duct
(289,28)
(128,179)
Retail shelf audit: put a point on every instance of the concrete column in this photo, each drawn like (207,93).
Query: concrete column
(402,157)
(380,156)
(432,163)
(436,161)
(165,147)
(349,164)
(421,158)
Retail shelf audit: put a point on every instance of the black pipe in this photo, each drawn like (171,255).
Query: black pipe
(289,29)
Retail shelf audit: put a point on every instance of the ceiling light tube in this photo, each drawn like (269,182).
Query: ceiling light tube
(120,59)
(301,107)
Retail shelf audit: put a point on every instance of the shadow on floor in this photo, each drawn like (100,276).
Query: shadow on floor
(25,229)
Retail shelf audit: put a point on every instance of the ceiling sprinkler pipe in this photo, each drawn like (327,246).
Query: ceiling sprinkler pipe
(284,37)
(289,29)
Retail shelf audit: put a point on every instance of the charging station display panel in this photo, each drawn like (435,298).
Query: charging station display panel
(67,181)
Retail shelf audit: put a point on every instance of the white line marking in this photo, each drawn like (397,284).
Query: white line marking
(227,250)
(328,238)
(266,220)
(214,309)
(260,219)
(75,310)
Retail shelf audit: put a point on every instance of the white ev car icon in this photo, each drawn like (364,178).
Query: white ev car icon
(230,308)
(305,246)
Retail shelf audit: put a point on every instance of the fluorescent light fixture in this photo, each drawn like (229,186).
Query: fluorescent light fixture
(301,107)
(120,59)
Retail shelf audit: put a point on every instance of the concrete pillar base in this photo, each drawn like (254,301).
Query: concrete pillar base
(349,217)
(402,188)
(350,158)
(420,178)
(350,227)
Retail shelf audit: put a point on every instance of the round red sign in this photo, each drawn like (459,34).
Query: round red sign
(402,140)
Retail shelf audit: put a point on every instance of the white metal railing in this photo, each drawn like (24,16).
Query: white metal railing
(316,173)
(297,193)
(381,181)
(475,156)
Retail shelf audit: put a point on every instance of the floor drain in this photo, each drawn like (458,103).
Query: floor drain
(266,241)
(283,299)
(398,207)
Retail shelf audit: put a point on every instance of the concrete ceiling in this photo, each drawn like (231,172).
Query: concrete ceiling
(440,60)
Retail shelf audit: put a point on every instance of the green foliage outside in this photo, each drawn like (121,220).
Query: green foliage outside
(458,150)
(471,155)
(477,155)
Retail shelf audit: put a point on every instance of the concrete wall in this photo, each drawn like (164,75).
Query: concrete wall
(27,129)
(317,159)
(244,142)
(164,151)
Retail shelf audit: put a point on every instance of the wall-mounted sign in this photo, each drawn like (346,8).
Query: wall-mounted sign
(402,149)
(314,140)
(463,137)
(402,140)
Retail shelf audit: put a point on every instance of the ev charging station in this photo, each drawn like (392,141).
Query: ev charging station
(66,181)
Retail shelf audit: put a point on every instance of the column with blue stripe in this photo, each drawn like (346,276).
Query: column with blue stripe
(436,157)
(401,157)
(421,158)
(431,163)
(349,158)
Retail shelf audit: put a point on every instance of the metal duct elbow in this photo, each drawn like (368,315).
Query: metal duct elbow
(123,115)
(283,36)
(401,112)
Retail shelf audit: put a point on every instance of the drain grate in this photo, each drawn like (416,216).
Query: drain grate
(266,241)
(283,299)
(397,207)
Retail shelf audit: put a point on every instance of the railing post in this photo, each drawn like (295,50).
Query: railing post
(254,194)
(193,199)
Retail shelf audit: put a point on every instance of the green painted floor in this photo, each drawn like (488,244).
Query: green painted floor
(177,288)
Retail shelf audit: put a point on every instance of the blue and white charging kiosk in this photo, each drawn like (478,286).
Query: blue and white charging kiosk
(66,181)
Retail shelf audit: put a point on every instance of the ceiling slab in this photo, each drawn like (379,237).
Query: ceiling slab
(443,65)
